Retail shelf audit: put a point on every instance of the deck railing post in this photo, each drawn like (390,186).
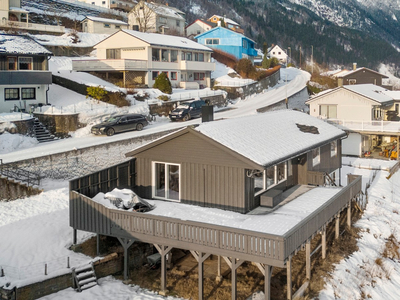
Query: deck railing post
(308,259)
(289,277)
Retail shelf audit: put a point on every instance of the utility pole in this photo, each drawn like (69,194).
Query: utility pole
(312,59)
(290,54)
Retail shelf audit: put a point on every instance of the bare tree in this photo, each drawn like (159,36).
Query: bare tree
(144,15)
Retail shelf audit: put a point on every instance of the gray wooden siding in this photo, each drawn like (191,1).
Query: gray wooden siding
(327,163)
(364,77)
(201,184)
(39,61)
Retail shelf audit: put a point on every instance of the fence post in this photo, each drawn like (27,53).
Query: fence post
(68,265)
(2,273)
(45,269)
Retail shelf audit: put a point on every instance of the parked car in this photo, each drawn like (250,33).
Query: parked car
(187,110)
(120,123)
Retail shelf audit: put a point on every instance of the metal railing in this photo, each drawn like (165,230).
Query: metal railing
(33,26)
(16,173)
(109,65)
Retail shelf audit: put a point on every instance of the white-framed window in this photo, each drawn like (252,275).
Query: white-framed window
(166,181)
(273,176)
(28,93)
(328,111)
(333,148)
(11,94)
(212,41)
(316,156)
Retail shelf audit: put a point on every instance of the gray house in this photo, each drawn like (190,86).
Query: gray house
(277,167)
(24,72)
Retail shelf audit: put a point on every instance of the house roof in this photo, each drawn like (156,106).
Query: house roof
(164,40)
(104,20)
(223,28)
(263,139)
(226,20)
(20,44)
(393,94)
(165,10)
(373,92)
(203,21)
(276,46)
(345,74)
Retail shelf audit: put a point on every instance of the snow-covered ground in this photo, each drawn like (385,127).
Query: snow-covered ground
(36,231)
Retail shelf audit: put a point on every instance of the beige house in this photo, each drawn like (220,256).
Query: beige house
(101,25)
(12,16)
(137,58)
(199,26)
(158,18)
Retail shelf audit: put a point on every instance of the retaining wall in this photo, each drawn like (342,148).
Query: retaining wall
(10,190)
(59,125)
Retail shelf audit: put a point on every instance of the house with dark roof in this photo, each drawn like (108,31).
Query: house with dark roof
(198,26)
(102,25)
(360,76)
(368,112)
(229,41)
(138,57)
(255,188)
(25,75)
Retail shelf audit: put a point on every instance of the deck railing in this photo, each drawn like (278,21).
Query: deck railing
(368,126)
(109,65)
(88,215)
(32,26)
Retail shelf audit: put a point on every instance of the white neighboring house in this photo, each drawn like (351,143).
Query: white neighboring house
(24,73)
(101,3)
(158,18)
(101,25)
(199,26)
(362,111)
(138,57)
(279,53)
(12,16)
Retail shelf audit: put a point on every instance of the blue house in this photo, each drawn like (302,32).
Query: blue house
(228,41)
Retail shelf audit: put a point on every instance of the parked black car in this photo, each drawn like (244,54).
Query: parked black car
(120,123)
(187,110)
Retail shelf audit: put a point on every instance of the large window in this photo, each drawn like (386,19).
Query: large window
(328,111)
(201,56)
(11,94)
(113,53)
(25,63)
(174,55)
(28,93)
(199,76)
(166,179)
(155,54)
(154,75)
(272,176)
(164,55)
(174,76)
(316,157)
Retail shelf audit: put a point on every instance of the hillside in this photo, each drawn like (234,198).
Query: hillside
(340,31)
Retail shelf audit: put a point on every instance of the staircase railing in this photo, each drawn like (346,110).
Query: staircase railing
(16,173)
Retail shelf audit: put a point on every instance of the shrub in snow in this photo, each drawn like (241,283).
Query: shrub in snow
(117,99)
(163,97)
(245,67)
(96,92)
(163,84)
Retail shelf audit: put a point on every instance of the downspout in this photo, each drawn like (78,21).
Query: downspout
(48,86)
(341,154)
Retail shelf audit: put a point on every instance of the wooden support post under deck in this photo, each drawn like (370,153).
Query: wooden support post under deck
(124,74)
(308,259)
(349,214)
(234,264)
(201,258)
(267,282)
(163,250)
(219,277)
(98,244)
(337,219)
(289,277)
(323,243)
(398,146)
(126,243)
(74,236)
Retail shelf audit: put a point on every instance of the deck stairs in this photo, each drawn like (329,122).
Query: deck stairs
(84,277)
(41,133)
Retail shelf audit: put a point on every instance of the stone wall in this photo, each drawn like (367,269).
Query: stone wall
(24,127)
(59,125)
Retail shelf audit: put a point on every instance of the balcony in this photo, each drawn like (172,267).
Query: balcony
(25,77)
(367,126)
(197,66)
(32,26)
(109,65)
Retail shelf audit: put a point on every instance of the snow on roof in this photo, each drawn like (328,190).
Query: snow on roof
(395,95)
(343,74)
(167,40)
(374,92)
(165,10)
(18,9)
(271,137)
(104,20)
(226,20)
(18,44)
